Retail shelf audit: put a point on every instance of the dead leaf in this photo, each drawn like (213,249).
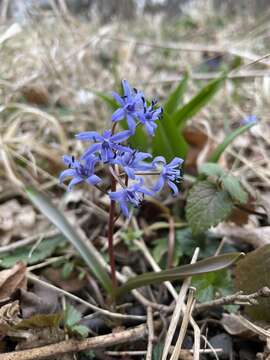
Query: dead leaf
(257,237)
(234,325)
(12,279)
(36,94)
(252,274)
(9,316)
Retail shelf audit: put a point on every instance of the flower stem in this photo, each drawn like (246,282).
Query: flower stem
(110,234)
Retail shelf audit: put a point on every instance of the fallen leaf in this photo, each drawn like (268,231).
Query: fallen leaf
(36,94)
(12,279)
(234,325)
(9,316)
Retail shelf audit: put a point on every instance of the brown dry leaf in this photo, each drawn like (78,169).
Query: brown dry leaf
(251,274)
(15,220)
(9,316)
(12,279)
(234,325)
(36,94)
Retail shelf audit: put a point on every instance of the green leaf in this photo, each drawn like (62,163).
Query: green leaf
(212,285)
(175,96)
(67,269)
(87,251)
(168,140)
(109,100)
(161,248)
(44,250)
(198,101)
(234,188)
(71,316)
(81,330)
(207,206)
(227,141)
(201,267)
(211,169)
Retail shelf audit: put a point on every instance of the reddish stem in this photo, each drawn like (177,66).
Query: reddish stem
(110,235)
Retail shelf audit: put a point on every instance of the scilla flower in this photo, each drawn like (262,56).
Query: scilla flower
(169,173)
(149,116)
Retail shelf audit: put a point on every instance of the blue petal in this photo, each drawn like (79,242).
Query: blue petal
(67,173)
(175,162)
(118,99)
(123,135)
(75,181)
(116,195)
(159,184)
(119,114)
(149,128)
(89,135)
(67,159)
(92,149)
(173,187)
(130,172)
(126,88)
(158,159)
(124,208)
(131,124)
(93,180)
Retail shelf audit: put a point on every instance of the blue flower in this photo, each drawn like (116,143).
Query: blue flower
(148,117)
(106,145)
(169,173)
(251,119)
(132,195)
(133,161)
(80,171)
(130,104)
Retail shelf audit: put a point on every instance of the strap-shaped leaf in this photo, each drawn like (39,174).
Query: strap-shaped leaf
(227,141)
(174,99)
(198,101)
(201,267)
(87,252)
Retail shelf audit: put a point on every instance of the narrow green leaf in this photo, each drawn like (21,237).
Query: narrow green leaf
(109,100)
(198,101)
(227,141)
(234,188)
(201,267)
(168,140)
(207,205)
(87,252)
(176,96)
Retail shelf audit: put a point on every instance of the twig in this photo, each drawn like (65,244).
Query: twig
(74,346)
(236,299)
(151,336)
(108,313)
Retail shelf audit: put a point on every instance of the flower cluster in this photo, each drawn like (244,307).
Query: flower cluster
(127,166)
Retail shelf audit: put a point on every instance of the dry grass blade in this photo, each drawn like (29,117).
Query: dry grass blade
(185,322)
(178,309)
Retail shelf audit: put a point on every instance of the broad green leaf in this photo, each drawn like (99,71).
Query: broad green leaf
(71,316)
(252,274)
(201,267)
(212,285)
(197,102)
(211,169)
(227,141)
(44,250)
(207,205)
(234,188)
(176,96)
(168,140)
(87,252)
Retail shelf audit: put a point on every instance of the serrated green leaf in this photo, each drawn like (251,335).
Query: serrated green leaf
(80,330)
(214,263)
(207,206)
(234,188)
(197,102)
(227,141)
(87,252)
(211,169)
(176,96)
(44,250)
(212,285)
(71,316)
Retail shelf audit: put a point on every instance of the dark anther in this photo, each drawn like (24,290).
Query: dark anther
(135,90)
(143,99)
(72,158)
